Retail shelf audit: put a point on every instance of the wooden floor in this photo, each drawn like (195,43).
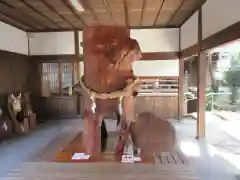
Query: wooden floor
(154,136)
(100,171)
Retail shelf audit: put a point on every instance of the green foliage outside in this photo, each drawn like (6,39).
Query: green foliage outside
(208,100)
(232,76)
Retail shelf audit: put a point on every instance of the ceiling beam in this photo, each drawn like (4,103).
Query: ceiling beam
(108,11)
(81,29)
(125,12)
(72,9)
(22,13)
(11,13)
(87,6)
(143,8)
(198,6)
(12,22)
(159,11)
(176,11)
(39,12)
(60,15)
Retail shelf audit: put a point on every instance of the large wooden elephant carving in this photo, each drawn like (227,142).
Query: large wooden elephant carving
(108,81)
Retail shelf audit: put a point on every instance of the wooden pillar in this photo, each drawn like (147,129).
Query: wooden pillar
(202,63)
(180,82)
(202,75)
(181,89)
(77,54)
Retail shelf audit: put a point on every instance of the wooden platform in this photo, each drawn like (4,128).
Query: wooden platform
(53,162)
(153,136)
(61,149)
(99,171)
(172,158)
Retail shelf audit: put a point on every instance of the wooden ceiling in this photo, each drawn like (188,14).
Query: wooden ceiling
(60,15)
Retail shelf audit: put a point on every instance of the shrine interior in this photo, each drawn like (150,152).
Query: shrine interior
(87,83)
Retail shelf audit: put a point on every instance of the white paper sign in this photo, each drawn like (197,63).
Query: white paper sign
(137,159)
(127,158)
(79,156)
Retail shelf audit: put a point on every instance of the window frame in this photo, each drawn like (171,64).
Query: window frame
(60,75)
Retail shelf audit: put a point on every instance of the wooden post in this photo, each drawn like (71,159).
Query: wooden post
(60,78)
(181,89)
(180,82)
(185,90)
(77,54)
(202,63)
(202,72)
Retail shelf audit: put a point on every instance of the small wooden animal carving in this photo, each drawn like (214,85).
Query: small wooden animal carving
(16,113)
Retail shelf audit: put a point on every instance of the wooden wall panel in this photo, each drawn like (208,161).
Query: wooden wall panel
(165,107)
(56,107)
(14,69)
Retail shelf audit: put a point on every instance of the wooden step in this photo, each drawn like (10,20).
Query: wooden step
(99,171)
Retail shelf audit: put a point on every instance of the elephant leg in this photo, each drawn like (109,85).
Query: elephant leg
(129,130)
(123,137)
(104,136)
(97,133)
(88,136)
(118,118)
(133,135)
(92,132)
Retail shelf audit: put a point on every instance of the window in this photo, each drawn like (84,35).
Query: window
(59,76)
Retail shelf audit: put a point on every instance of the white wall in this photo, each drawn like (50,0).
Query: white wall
(216,16)
(52,43)
(232,47)
(80,39)
(150,40)
(13,39)
(189,32)
(156,68)
(81,68)
(157,40)
(219,14)
(151,68)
